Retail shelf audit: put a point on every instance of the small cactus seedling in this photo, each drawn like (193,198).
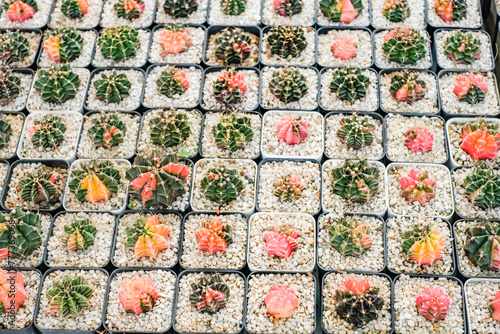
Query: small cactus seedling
(344,11)
(281,301)
(210,294)
(423,245)
(94,181)
(396,10)
(286,42)
(5,132)
(233,7)
(407,87)
(172,82)
(288,85)
(169,128)
(287,8)
(119,43)
(129,9)
(20,11)
(147,237)
(462,47)
(451,10)
(39,188)
(14,47)
(174,39)
(63,45)
(74,9)
(138,295)
(350,237)
(27,236)
(494,307)
(222,185)
(112,88)
(481,140)
(356,182)
(232,46)
(69,297)
(405,46)
(482,245)
(418,187)
(288,188)
(344,47)
(230,87)
(419,140)
(9,87)
(233,132)
(482,187)
(180,8)
(48,132)
(292,129)
(470,88)
(79,235)
(433,304)
(58,84)
(12,292)
(356,132)
(214,237)
(107,131)
(281,241)
(349,84)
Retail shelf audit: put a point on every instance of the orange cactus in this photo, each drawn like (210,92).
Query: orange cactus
(147,238)
(480,140)
(20,11)
(465,82)
(344,47)
(444,9)
(174,41)
(12,292)
(214,237)
(281,301)
(51,46)
(138,295)
(424,246)
(84,5)
(181,77)
(96,189)
(355,286)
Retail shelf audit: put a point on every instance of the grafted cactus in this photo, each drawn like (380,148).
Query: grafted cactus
(14,47)
(214,237)
(396,10)
(169,128)
(129,9)
(230,87)
(10,84)
(292,129)
(113,87)
(471,88)
(174,39)
(419,139)
(481,140)
(356,132)
(233,7)
(74,9)
(451,10)
(288,85)
(286,42)
(418,187)
(405,46)
(433,304)
(57,84)
(233,132)
(172,82)
(69,296)
(27,236)
(222,185)
(350,237)
(349,84)
(423,245)
(356,182)
(63,45)
(281,241)
(482,245)
(210,294)
(288,188)
(407,87)
(20,10)
(79,235)
(12,291)
(119,43)
(147,237)
(107,130)
(344,11)
(48,132)
(482,187)
(281,301)
(462,47)
(180,8)
(38,188)
(138,295)
(287,8)
(232,46)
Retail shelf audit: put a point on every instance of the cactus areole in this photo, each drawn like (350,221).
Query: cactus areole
(214,237)
(494,307)
(482,245)
(423,245)
(281,241)
(147,237)
(481,140)
(12,292)
(138,295)
(433,304)
(210,294)
(417,187)
(281,301)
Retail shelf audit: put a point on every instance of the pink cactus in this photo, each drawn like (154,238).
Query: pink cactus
(349,13)
(495,307)
(281,241)
(138,295)
(174,41)
(417,187)
(280,11)
(291,129)
(12,292)
(281,301)
(433,304)
(419,139)
(397,32)
(20,11)
(355,286)
(181,77)
(344,47)
(465,82)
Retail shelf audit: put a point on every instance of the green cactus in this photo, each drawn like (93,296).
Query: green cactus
(68,296)
(232,46)
(482,187)
(32,3)
(5,131)
(57,84)
(79,235)
(49,131)
(180,8)
(72,9)
(356,182)
(9,86)
(122,9)
(221,185)
(169,128)
(332,9)
(14,47)
(113,87)
(70,44)
(288,85)
(462,47)
(356,132)
(358,309)
(82,178)
(233,7)
(39,188)
(482,245)
(405,46)
(202,298)
(415,88)
(459,9)
(172,82)
(119,43)
(349,84)
(107,130)
(396,10)
(288,8)
(232,132)
(474,95)
(27,236)
(286,42)
(350,237)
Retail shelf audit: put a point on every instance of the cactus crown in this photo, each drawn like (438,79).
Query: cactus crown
(418,187)
(349,84)
(471,88)
(396,10)
(138,295)
(288,85)
(12,291)
(233,7)
(48,132)
(423,245)
(169,128)
(344,11)
(147,237)
(356,132)
(462,47)
(210,294)
(69,296)
(230,87)
(221,185)
(9,86)
(74,9)
(180,8)
(39,188)
(174,39)
(233,46)
(433,304)
(233,132)
(214,237)
(113,87)
(14,47)
(483,188)
(350,237)
(119,43)
(482,245)
(129,9)
(287,8)
(79,235)
(5,132)
(288,188)
(27,237)
(407,87)
(356,182)
(63,45)
(451,10)
(286,42)
(107,130)
(172,82)
(481,139)
(57,84)
(405,46)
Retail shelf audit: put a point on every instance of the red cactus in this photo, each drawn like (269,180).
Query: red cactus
(153,239)
(344,47)
(417,187)
(12,292)
(433,304)
(291,129)
(281,301)
(20,11)
(355,286)
(444,9)
(138,295)
(495,307)
(466,82)
(281,241)
(214,237)
(419,139)
(480,140)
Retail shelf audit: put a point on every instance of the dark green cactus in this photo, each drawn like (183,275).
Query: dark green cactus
(356,132)
(356,182)
(14,47)
(48,132)
(202,296)
(232,46)
(9,86)
(5,132)
(396,10)
(38,187)
(68,296)
(483,188)
(482,245)
(232,132)
(113,87)
(172,82)
(107,130)
(221,185)
(349,84)
(72,9)
(169,128)
(27,236)
(180,8)
(79,235)
(462,47)
(57,84)
(288,85)
(286,42)
(405,46)
(358,309)
(119,43)
(233,7)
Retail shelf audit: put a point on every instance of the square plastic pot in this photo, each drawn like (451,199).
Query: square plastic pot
(340,25)
(23,71)
(38,31)
(14,156)
(473,280)
(431,7)
(95,27)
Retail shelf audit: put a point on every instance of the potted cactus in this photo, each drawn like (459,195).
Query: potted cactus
(463,49)
(283,242)
(278,302)
(80,239)
(50,135)
(454,13)
(172,87)
(482,299)
(224,185)
(177,43)
(387,14)
(81,14)
(122,47)
(140,300)
(19,48)
(289,88)
(11,126)
(354,13)
(416,139)
(288,12)
(356,303)
(147,240)
(18,14)
(132,13)
(402,48)
(15,88)
(232,46)
(72,299)
(234,12)
(288,45)
(183,11)
(289,186)
(109,135)
(97,185)
(339,47)
(351,242)
(353,186)
(214,241)
(174,131)
(419,190)
(419,245)
(433,304)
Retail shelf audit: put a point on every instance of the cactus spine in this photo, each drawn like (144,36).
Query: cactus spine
(57,84)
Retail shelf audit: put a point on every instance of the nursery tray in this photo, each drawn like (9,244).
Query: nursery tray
(163,25)
(14,156)
(23,71)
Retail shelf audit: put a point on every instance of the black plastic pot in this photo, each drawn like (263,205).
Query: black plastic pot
(38,32)
(14,157)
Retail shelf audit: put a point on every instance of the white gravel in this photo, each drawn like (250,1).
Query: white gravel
(4,168)
(304,18)
(305,57)
(83,60)
(193,54)
(362,40)
(110,19)
(19,102)
(416,19)
(472,17)
(137,60)
(210,52)
(362,20)
(34,39)
(16,122)
(480,294)
(250,17)
(39,19)
(88,21)
(197,17)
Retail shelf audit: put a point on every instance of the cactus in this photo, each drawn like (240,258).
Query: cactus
(494,307)
(12,292)
(423,245)
(79,235)
(147,237)
(155,181)
(27,236)
(119,43)
(210,294)
(214,237)
(63,45)
(407,87)
(94,181)
(48,132)
(138,295)
(14,47)
(396,10)
(470,88)
(129,9)
(419,139)
(405,46)
(281,241)
(112,88)
(292,129)
(169,128)
(286,42)
(357,302)
(233,132)
(349,84)
(350,237)
(20,11)
(57,84)
(481,140)
(462,47)
(180,8)
(74,9)
(288,188)
(344,47)
(5,132)
(281,301)
(451,10)
(107,131)
(174,39)
(68,296)
(344,11)
(356,182)
(433,304)
(288,85)
(287,8)
(417,187)
(9,87)
(172,82)
(482,245)
(482,187)
(233,7)
(222,185)
(230,87)
(356,132)
(39,188)
(232,46)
